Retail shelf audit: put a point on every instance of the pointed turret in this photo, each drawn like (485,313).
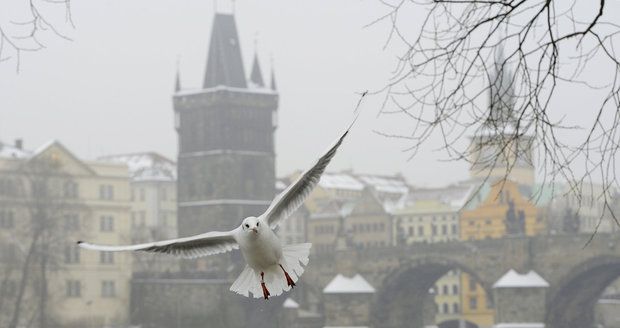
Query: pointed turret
(256,77)
(177,82)
(274,86)
(224,65)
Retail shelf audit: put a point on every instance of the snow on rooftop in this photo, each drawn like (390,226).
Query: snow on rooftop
(520,325)
(290,304)
(9,151)
(344,285)
(146,166)
(385,184)
(512,279)
(340,181)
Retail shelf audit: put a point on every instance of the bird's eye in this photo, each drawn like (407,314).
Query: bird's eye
(257,223)
(247,225)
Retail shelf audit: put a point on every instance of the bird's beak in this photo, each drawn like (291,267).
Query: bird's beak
(255,230)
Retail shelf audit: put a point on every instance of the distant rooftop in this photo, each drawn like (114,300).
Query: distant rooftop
(147,166)
(12,151)
(513,279)
(345,285)
(289,303)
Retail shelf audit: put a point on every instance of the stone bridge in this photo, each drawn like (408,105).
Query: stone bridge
(577,273)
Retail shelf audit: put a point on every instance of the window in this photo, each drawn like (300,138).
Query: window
(446,290)
(472,284)
(410,231)
(71,189)
(421,231)
(473,302)
(8,288)
(455,308)
(39,189)
(7,252)
(106,223)
(7,220)
(72,254)
(7,187)
(108,289)
(72,222)
(446,308)
(106,192)
(434,229)
(164,193)
(455,229)
(106,257)
(73,288)
(455,289)
(444,229)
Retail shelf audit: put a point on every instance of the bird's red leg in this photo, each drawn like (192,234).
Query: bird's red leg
(262,284)
(289,281)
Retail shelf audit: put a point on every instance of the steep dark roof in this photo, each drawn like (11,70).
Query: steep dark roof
(224,65)
(256,76)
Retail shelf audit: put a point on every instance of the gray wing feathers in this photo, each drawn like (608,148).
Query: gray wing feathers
(209,243)
(294,195)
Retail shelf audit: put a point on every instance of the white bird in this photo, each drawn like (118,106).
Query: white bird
(272,267)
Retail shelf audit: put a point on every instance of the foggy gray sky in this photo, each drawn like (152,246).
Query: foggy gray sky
(109,91)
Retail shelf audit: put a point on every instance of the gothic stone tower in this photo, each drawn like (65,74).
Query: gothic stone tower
(226,168)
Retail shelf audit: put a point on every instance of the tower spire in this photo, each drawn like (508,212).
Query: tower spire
(256,77)
(177,82)
(274,86)
(224,65)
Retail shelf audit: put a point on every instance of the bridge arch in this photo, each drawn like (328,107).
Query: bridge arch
(456,324)
(571,303)
(400,299)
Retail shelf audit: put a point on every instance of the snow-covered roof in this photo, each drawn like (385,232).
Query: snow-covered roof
(513,279)
(520,325)
(9,151)
(188,92)
(290,304)
(386,184)
(345,285)
(340,181)
(334,209)
(147,166)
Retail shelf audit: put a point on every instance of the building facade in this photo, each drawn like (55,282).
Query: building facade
(50,199)
(226,168)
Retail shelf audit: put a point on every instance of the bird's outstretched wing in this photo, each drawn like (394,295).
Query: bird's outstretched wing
(295,194)
(205,244)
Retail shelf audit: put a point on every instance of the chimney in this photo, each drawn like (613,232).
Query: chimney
(19,143)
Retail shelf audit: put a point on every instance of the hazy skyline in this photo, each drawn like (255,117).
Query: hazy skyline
(109,91)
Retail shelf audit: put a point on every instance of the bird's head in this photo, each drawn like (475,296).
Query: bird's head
(251,225)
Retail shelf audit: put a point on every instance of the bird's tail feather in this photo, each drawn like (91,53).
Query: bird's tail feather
(295,257)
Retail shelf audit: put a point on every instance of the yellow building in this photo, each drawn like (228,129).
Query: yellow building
(50,199)
(506,210)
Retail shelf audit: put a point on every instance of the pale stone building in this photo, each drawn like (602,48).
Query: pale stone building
(50,199)
(153,195)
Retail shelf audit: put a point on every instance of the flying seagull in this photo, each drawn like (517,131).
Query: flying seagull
(272,267)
